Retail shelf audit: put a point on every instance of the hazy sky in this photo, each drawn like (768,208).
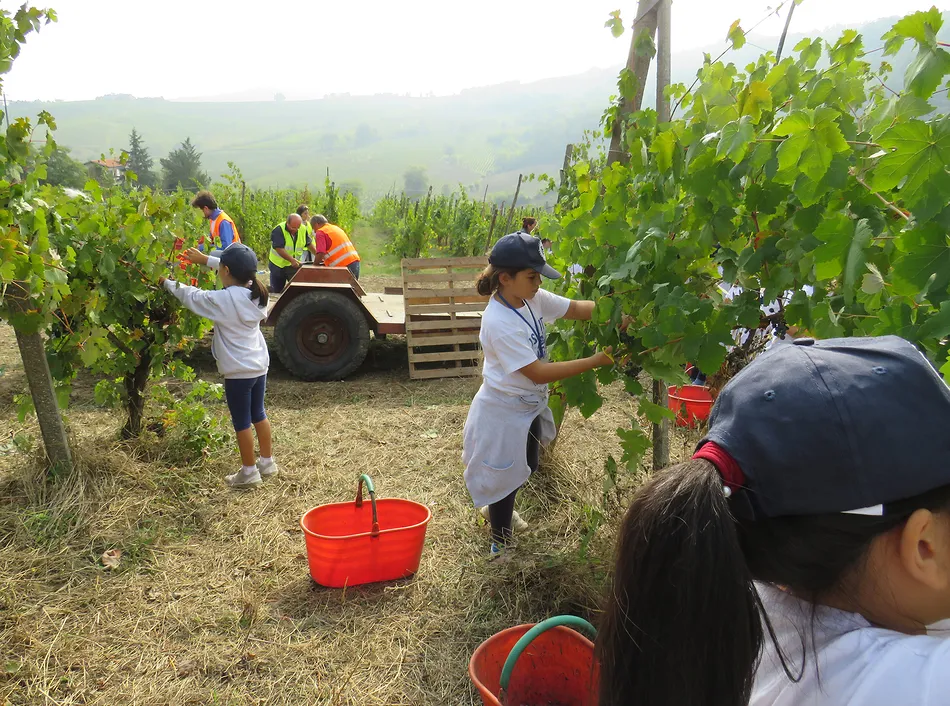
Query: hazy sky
(308,48)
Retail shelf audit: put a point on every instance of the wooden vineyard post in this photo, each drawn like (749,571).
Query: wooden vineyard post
(491,228)
(514,202)
(443,316)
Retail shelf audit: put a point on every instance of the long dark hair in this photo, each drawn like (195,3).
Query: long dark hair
(249,279)
(488,281)
(684,625)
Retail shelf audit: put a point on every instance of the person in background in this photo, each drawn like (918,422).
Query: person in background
(288,243)
(548,245)
(239,350)
(509,419)
(304,212)
(802,556)
(333,246)
(528,225)
(222,231)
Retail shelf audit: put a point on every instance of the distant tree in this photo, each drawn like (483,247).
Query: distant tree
(63,170)
(280,97)
(415,181)
(183,166)
(352,187)
(365,135)
(140,162)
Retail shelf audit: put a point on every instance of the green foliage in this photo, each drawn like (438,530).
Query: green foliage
(192,432)
(615,24)
(63,170)
(182,168)
(113,319)
(453,224)
(774,176)
(415,181)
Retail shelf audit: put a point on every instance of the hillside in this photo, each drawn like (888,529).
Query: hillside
(481,137)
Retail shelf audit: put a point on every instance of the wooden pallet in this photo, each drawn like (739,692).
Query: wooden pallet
(443,316)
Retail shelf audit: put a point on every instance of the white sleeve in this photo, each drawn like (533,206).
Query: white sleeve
(201,302)
(214,262)
(550,306)
(513,350)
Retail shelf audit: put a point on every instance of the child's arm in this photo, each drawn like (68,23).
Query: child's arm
(197,300)
(199,258)
(579,310)
(541,372)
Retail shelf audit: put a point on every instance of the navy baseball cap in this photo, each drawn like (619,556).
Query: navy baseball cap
(522,251)
(842,425)
(240,260)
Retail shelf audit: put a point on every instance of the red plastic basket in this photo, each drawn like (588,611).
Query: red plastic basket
(556,666)
(691,403)
(353,543)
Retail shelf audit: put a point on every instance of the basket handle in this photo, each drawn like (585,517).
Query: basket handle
(571,621)
(371,489)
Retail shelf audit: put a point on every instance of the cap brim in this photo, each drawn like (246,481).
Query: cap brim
(547,271)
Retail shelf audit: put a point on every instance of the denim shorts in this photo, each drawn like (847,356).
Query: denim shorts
(245,398)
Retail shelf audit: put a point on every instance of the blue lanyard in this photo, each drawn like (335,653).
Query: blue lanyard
(536,327)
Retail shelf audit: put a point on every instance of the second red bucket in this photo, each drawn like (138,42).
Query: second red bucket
(357,542)
(691,403)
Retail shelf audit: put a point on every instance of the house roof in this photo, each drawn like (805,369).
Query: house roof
(107,163)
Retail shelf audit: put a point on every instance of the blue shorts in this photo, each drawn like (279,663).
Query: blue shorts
(245,398)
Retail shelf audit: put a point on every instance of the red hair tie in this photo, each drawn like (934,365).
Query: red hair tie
(728,467)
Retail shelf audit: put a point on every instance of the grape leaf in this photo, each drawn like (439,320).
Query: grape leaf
(924,254)
(662,147)
(809,52)
(916,27)
(755,98)
(926,71)
(812,140)
(937,325)
(735,139)
(920,153)
(736,35)
(856,258)
(615,24)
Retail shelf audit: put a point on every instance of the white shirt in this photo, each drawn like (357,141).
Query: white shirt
(238,345)
(857,664)
(510,342)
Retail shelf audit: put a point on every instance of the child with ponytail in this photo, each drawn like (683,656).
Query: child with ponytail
(802,556)
(239,348)
(509,418)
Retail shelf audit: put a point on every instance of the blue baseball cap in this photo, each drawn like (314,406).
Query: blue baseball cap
(522,251)
(240,260)
(842,425)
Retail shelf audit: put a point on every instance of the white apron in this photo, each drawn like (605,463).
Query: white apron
(495,440)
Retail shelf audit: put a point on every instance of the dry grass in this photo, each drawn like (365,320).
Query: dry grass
(212,603)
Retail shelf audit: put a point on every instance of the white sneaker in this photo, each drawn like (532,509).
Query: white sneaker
(244,479)
(516,521)
(269,469)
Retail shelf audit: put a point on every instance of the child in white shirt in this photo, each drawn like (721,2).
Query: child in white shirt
(509,418)
(239,348)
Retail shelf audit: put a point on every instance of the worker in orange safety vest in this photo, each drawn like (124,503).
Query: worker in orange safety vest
(222,231)
(334,248)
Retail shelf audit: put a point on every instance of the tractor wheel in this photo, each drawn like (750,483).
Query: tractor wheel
(322,336)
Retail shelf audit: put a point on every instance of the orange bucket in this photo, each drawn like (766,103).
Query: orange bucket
(691,403)
(353,543)
(556,666)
